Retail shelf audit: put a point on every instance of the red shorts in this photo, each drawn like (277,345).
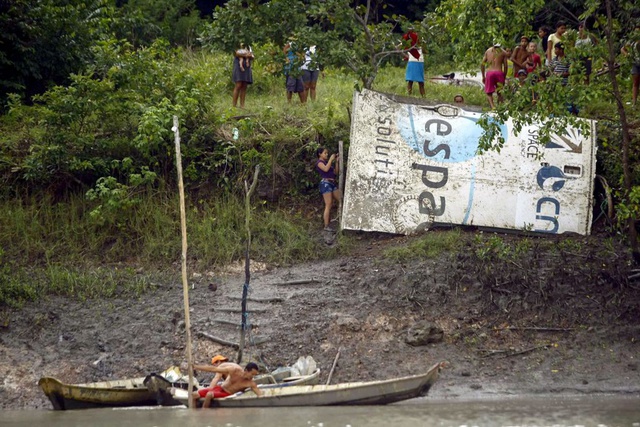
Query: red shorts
(217,392)
(492,79)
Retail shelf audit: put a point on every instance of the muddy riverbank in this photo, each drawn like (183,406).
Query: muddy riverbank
(556,315)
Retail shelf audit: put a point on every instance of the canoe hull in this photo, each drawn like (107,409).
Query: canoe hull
(96,395)
(362,393)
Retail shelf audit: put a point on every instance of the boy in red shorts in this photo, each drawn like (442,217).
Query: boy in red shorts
(495,59)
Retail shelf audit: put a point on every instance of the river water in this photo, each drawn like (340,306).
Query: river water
(556,411)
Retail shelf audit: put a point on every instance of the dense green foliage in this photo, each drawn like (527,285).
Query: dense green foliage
(42,42)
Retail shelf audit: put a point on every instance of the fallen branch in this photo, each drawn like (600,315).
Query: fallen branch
(232,323)
(538,329)
(293,282)
(491,352)
(271,299)
(529,350)
(264,129)
(517,265)
(510,353)
(219,340)
(236,310)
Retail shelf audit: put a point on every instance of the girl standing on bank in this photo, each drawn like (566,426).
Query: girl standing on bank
(242,75)
(328,167)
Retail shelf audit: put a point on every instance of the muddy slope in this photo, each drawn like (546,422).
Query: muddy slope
(562,320)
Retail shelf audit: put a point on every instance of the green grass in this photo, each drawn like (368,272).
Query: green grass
(93,283)
(431,245)
(21,284)
(44,234)
(58,248)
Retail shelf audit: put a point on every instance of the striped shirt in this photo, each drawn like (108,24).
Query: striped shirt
(560,66)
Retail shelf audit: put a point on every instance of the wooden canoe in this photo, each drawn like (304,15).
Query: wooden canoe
(130,392)
(127,392)
(356,393)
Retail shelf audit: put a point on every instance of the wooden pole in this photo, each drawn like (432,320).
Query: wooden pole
(340,184)
(247,270)
(333,368)
(185,284)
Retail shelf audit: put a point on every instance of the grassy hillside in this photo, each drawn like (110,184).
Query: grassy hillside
(89,191)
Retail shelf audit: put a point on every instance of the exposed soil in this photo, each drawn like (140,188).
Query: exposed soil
(563,316)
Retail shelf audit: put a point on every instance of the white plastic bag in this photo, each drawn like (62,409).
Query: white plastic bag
(305,365)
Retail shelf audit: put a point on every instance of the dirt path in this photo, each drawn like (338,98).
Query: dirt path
(511,338)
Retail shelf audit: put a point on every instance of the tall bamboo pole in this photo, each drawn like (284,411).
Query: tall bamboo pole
(185,284)
(340,183)
(247,270)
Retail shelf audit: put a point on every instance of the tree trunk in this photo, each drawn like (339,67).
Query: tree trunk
(626,136)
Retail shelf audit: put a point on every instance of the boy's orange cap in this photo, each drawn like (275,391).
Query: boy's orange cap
(218,358)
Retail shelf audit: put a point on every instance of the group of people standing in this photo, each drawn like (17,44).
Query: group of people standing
(498,64)
(301,77)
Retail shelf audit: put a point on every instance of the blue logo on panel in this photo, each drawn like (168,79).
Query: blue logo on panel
(460,136)
(551,172)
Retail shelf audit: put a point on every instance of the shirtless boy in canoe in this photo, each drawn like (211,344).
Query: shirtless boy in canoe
(237,379)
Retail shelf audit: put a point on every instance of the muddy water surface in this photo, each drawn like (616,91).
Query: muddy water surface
(557,411)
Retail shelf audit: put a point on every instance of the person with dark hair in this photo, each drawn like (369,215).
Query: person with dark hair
(560,65)
(494,62)
(561,28)
(543,33)
(415,61)
(520,55)
(237,379)
(328,185)
(533,59)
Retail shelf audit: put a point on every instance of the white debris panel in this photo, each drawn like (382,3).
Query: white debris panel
(411,166)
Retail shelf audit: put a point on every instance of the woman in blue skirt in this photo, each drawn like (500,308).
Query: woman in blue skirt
(415,62)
